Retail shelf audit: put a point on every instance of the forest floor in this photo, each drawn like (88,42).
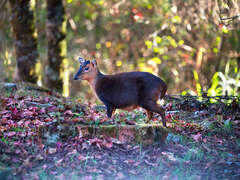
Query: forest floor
(202,142)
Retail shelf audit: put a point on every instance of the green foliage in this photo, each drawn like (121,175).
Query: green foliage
(198,85)
(214,90)
(43,175)
(174,138)
(81,114)
(227,83)
(228,125)
(4,140)
(159,36)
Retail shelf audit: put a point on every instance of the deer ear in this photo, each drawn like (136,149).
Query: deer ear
(94,63)
(81,60)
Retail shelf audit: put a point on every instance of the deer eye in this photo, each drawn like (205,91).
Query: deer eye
(86,69)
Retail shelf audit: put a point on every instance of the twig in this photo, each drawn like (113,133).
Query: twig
(232,18)
(176,96)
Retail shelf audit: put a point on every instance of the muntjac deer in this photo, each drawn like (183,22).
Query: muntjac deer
(127,90)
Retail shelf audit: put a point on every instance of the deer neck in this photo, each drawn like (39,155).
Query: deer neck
(93,81)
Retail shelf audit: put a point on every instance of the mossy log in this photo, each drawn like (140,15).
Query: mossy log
(144,134)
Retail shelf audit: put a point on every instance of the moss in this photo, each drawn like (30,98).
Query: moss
(107,130)
(137,134)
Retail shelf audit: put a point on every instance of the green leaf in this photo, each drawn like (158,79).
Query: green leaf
(227,124)
(181,42)
(157,60)
(98,45)
(214,90)
(198,85)
(158,39)
(218,40)
(195,74)
(172,41)
(225,30)
(148,44)
(155,49)
(215,50)
(176,19)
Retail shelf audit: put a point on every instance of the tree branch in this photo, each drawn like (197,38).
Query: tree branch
(227,18)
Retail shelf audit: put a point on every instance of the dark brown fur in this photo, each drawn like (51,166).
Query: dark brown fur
(130,90)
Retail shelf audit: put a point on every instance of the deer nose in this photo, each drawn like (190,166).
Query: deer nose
(75,78)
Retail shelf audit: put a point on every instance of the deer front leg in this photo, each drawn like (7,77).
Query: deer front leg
(109,107)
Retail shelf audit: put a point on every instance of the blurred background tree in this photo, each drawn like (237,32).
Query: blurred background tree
(191,44)
(56,59)
(25,40)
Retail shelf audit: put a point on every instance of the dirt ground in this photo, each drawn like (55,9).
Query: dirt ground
(202,142)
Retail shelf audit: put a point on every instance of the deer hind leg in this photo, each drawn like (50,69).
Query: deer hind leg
(149,115)
(163,91)
(110,111)
(152,106)
(113,116)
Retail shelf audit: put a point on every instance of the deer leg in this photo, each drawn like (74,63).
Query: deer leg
(110,112)
(154,107)
(109,107)
(113,111)
(149,115)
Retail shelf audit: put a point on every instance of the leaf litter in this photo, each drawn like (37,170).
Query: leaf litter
(203,141)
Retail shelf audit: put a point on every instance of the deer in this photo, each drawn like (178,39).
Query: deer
(127,90)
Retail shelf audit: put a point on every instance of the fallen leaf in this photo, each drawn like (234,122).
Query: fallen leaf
(52,150)
(116,141)
(129,161)
(209,164)
(59,162)
(59,145)
(97,156)
(39,157)
(60,177)
(132,171)
(85,145)
(120,175)
(68,112)
(150,163)
(82,158)
(42,111)
(47,119)
(197,137)
(10,134)
(107,144)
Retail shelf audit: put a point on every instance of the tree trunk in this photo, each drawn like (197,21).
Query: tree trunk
(56,68)
(25,40)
